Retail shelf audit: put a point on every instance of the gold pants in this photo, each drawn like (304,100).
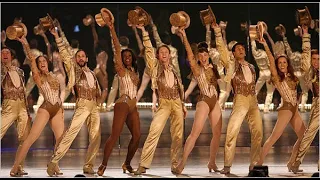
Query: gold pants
(113,91)
(311,131)
(86,111)
(244,107)
(166,108)
(225,88)
(15,111)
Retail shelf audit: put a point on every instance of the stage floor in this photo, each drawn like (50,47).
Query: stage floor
(71,164)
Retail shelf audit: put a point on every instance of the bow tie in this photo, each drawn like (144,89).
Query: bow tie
(208,66)
(169,68)
(130,68)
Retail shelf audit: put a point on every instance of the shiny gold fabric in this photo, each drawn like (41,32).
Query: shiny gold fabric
(166,92)
(244,107)
(240,85)
(166,108)
(86,112)
(311,131)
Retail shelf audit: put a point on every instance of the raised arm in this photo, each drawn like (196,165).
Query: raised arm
(33,64)
(270,40)
(3,38)
(150,58)
(156,34)
(208,35)
(191,87)
(140,45)
(221,46)
(95,35)
(192,60)
(273,68)
(290,54)
(306,50)
(49,53)
(117,51)
(65,55)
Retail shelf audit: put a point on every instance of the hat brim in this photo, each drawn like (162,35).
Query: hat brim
(236,44)
(174,29)
(212,14)
(187,18)
(104,11)
(25,30)
(145,12)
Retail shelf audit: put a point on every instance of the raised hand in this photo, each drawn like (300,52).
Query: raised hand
(140,26)
(3,36)
(54,32)
(304,29)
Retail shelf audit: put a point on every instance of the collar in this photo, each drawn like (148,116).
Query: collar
(208,66)
(130,69)
(169,68)
(86,69)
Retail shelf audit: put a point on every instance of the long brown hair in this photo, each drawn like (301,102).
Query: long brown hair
(290,69)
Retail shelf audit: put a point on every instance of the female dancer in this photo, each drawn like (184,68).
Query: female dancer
(286,83)
(125,109)
(50,110)
(205,75)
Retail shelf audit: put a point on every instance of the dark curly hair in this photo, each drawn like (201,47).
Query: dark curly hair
(134,58)
(290,69)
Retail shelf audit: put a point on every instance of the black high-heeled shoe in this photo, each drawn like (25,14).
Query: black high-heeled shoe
(101,169)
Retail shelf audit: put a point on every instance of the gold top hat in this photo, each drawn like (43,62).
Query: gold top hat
(180,19)
(231,44)
(88,20)
(104,16)
(38,29)
(297,31)
(17,30)
(262,28)
(207,16)
(303,16)
(253,32)
(139,16)
(46,22)
(280,29)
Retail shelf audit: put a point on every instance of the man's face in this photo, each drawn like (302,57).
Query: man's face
(164,55)
(239,52)
(81,58)
(315,61)
(6,55)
